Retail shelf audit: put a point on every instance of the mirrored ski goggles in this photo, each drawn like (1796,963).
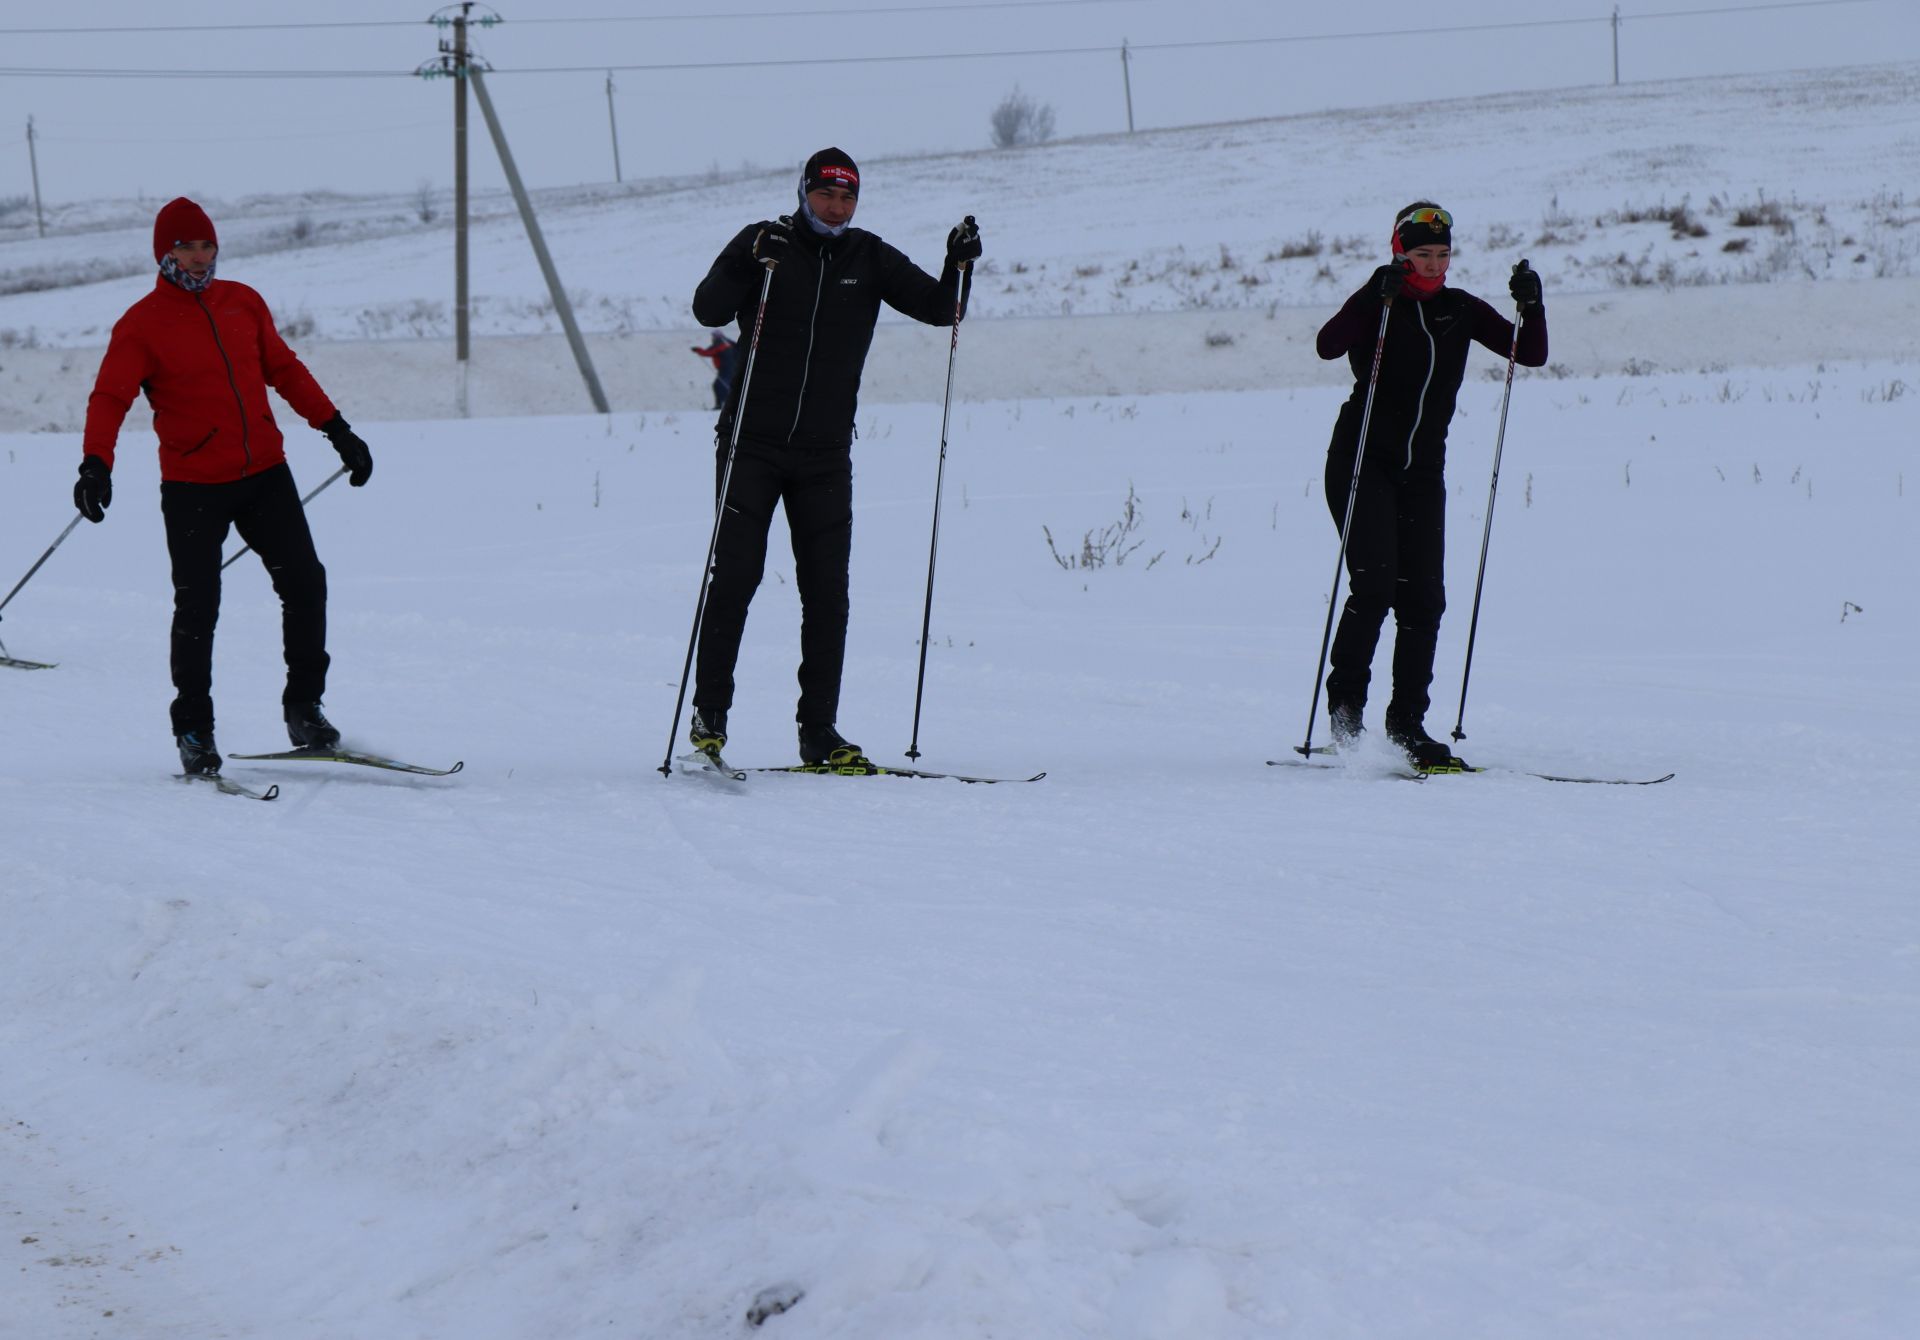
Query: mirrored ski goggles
(1429,215)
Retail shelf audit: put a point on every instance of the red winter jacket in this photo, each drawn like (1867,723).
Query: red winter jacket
(205,361)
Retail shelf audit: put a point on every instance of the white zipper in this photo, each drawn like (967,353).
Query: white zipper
(806,368)
(1420,405)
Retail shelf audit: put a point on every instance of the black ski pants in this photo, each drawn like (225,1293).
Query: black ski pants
(1396,560)
(265,509)
(816,487)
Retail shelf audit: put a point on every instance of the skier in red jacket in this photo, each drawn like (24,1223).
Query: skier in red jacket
(724,354)
(204,351)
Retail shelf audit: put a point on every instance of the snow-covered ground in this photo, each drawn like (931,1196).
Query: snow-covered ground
(1170,1044)
(1771,178)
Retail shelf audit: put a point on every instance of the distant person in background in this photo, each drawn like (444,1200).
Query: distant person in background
(204,351)
(796,428)
(724,354)
(1396,544)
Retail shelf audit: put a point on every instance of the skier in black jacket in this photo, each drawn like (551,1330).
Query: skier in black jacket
(1396,543)
(796,427)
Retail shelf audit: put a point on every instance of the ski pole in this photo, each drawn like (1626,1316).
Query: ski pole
(37,562)
(719,511)
(1486,533)
(247,548)
(939,478)
(1346,522)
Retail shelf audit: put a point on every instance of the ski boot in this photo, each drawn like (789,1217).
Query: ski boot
(1424,753)
(309,728)
(709,730)
(822,745)
(1344,721)
(198,757)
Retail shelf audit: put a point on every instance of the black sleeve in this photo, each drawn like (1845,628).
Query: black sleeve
(729,286)
(913,292)
(1356,322)
(1496,332)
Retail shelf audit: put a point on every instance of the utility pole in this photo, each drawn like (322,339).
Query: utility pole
(1126,79)
(33,160)
(613,126)
(458,62)
(454,62)
(562,305)
(1616,46)
(461,347)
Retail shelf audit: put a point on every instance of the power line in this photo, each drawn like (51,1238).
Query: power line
(821,13)
(606,18)
(1287,39)
(918,57)
(27,73)
(214,28)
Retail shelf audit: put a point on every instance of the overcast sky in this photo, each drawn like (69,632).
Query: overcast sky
(229,137)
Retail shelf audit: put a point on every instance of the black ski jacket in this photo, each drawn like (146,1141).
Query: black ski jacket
(819,324)
(1420,370)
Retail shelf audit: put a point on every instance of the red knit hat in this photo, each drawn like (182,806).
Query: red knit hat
(180,220)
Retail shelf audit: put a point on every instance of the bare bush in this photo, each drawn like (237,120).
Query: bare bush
(1678,217)
(1110,544)
(1019,120)
(298,326)
(1502,236)
(1311,245)
(424,205)
(1764,214)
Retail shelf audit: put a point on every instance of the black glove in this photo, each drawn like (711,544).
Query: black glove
(353,452)
(774,242)
(963,243)
(94,492)
(1525,285)
(1388,281)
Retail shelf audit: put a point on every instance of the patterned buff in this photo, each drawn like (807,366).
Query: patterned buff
(814,222)
(185,278)
(1422,226)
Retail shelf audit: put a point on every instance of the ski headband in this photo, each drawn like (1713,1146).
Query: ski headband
(830,167)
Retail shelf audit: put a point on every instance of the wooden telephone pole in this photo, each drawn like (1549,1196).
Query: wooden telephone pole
(458,62)
(33,158)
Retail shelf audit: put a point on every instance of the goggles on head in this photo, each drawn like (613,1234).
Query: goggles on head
(1430,215)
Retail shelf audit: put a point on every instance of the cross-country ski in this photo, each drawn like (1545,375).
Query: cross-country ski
(336,755)
(226,786)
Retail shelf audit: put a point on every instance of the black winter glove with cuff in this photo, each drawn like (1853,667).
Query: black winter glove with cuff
(93,493)
(774,242)
(353,452)
(963,243)
(1389,281)
(1524,286)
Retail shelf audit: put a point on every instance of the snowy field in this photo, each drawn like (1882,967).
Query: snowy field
(1171,1045)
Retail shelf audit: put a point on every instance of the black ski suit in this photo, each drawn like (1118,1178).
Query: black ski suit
(1396,544)
(796,436)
